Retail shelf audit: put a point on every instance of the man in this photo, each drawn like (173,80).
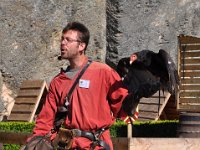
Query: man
(96,100)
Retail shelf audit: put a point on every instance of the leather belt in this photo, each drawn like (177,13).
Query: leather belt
(94,137)
(86,134)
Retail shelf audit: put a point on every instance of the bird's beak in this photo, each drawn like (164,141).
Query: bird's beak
(132,58)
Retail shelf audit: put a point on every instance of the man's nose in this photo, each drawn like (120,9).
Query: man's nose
(63,41)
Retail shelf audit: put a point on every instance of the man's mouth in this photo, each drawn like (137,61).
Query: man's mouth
(62,52)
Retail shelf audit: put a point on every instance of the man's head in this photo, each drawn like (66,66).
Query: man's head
(75,39)
(83,32)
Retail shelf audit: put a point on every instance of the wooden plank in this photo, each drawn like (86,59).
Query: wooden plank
(164,143)
(188,40)
(156,95)
(149,108)
(186,61)
(189,94)
(189,87)
(164,104)
(32,84)
(13,138)
(190,47)
(22,108)
(190,54)
(189,100)
(190,81)
(25,100)
(189,74)
(186,123)
(191,67)
(29,93)
(151,101)
(145,118)
(19,117)
(147,115)
(189,108)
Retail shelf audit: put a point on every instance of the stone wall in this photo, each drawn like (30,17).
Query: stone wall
(30,33)
(30,39)
(150,24)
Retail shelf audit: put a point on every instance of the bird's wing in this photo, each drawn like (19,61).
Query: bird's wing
(172,72)
(123,66)
(140,83)
(145,76)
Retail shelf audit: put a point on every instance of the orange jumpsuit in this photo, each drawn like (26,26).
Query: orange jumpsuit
(94,103)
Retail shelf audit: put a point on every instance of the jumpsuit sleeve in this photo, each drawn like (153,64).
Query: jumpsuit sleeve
(45,120)
(117,92)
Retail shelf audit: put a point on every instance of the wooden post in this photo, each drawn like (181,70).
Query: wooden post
(129,134)
(129,130)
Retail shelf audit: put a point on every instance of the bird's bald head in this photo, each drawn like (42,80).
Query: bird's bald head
(133,57)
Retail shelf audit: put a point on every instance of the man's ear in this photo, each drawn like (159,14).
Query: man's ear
(82,46)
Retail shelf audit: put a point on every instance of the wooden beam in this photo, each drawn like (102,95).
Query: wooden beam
(129,130)
(29,93)
(184,75)
(189,87)
(188,39)
(164,104)
(31,84)
(189,108)
(23,108)
(20,117)
(189,100)
(186,54)
(164,144)
(25,100)
(150,108)
(189,94)
(191,67)
(190,61)
(190,81)
(186,47)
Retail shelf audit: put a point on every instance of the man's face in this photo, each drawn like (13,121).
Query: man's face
(70,45)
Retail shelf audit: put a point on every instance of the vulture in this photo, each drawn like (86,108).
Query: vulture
(144,73)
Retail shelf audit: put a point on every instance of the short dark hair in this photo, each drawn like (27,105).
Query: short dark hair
(84,34)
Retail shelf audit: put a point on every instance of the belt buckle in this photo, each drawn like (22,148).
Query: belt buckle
(76,132)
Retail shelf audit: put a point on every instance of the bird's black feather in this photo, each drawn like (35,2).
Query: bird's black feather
(146,75)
